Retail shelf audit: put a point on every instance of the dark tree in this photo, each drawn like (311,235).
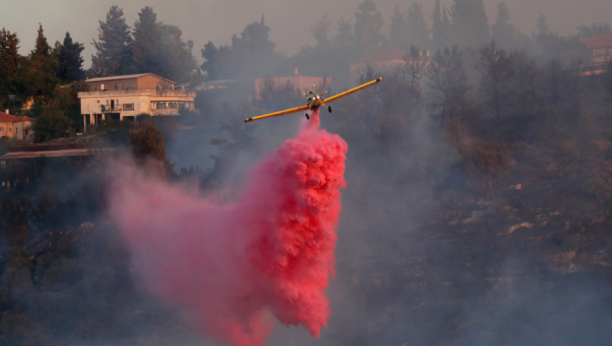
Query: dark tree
(495,68)
(9,60)
(176,56)
(368,24)
(502,31)
(595,29)
(51,124)
(441,29)
(147,43)
(248,57)
(148,148)
(113,48)
(36,76)
(321,31)
(211,62)
(542,26)
(344,37)
(42,47)
(448,84)
(70,62)
(398,30)
(525,83)
(470,24)
(418,34)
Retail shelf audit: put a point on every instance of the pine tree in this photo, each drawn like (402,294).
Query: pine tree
(147,43)
(418,34)
(504,33)
(35,75)
(211,61)
(42,47)
(344,36)
(9,60)
(470,23)
(368,23)
(398,30)
(542,26)
(113,48)
(437,31)
(176,56)
(70,62)
(321,30)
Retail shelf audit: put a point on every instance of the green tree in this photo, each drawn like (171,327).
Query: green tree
(42,47)
(211,62)
(248,57)
(51,124)
(70,62)
(368,25)
(176,56)
(36,74)
(418,34)
(147,43)
(113,48)
(441,29)
(9,60)
(470,24)
(148,145)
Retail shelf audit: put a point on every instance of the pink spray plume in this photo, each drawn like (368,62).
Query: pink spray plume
(230,266)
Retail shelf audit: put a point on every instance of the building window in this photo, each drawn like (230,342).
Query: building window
(161,105)
(118,86)
(173,105)
(1,129)
(128,106)
(102,87)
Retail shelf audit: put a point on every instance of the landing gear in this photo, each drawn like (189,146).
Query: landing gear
(307,116)
(329,109)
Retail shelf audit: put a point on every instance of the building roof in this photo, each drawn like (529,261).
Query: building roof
(7,118)
(599,41)
(382,55)
(127,76)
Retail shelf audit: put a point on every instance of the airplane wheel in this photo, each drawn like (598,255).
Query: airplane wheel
(329,109)
(307,117)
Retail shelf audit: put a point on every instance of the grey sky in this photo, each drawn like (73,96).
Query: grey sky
(290,20)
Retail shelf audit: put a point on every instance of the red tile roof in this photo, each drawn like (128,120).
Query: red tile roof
(381,55)
(7,118)
(597,41)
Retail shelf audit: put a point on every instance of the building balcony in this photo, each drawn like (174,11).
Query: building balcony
(108,109)
(137,92)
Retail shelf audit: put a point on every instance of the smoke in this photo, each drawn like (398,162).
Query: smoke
(231,267)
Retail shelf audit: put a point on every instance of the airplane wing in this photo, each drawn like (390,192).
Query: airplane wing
(276,114)
(348,92)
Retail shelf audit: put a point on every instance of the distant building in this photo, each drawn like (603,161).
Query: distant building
(124,97)
(382,61)
(19,127)
(300,83)
(601,50)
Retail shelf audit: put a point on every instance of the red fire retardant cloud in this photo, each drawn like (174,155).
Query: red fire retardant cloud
(232,267)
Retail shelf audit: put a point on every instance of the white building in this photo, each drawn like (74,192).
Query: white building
(124,97)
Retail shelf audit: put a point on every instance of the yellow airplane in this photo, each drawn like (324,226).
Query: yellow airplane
(314,101)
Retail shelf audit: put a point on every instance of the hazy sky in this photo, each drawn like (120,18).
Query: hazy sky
(290,20)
